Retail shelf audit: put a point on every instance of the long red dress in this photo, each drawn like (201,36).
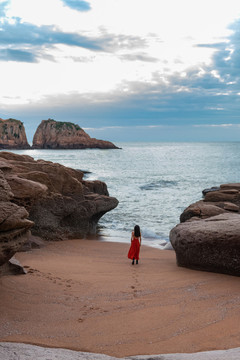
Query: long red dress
(134,250)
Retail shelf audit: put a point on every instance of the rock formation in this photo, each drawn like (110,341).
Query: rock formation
(12,135)
(53,134)
(208,237)
(58,201)
(14,225)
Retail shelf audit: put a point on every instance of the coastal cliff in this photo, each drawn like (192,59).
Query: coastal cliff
(12,135)
(208,237)
(52,134)
(51,199)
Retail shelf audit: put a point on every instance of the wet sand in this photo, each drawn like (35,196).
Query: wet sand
(85,295)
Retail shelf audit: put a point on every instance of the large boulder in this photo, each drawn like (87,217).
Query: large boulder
(211,244)
(59,202)
(208,237)
(14,225)
(200,210)
(12,135)
(52,134)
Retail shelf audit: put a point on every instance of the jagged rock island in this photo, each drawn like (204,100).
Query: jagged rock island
(208,237)
(51,199)
(12,135)
(52,134)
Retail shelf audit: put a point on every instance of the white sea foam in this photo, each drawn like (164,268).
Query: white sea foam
(147,233)
(10,351)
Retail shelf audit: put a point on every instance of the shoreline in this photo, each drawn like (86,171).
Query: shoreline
(124,237)
(85,295)
(9,350)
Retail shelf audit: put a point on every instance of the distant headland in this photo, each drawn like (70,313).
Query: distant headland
(50,134)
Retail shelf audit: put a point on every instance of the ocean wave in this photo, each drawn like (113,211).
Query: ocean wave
(158,184)
(147,233)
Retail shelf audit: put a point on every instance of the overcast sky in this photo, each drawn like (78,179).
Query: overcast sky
(156,70)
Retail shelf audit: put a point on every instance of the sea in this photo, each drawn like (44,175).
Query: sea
(153,182)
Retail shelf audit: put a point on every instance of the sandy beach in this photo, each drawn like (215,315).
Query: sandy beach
(85,295)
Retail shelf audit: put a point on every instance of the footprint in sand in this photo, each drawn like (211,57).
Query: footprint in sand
(32,271)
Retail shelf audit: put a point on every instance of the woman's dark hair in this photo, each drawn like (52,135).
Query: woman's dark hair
(137,231)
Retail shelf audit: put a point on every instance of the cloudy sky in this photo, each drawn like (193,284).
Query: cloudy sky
(124,70)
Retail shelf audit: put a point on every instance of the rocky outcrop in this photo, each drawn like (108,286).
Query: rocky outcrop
(14,225)
(216,201)
(12,135)
(53,134)
(208,237)
(212,244)
(58,201)
(50,134)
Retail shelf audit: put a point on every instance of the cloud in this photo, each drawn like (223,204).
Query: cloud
(204,96)
(27,42)
(28,34)
(113,42)
(219,45)
(217,125)
(117,127)
(204,92)
(20,41)
(79,5)
(226,59)
(3,5)
(16,55)
(138,57)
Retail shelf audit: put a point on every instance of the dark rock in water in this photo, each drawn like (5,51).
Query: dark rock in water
(214,188)
(208,237)
(158,184)
(85,172)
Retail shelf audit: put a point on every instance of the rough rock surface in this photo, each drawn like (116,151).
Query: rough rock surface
(14,225)
(59,202)
(14,351)
(200,210)
(52,134)
(212,244)
(12,135)
(208,237)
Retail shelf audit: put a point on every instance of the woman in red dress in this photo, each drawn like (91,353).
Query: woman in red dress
(134,250)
